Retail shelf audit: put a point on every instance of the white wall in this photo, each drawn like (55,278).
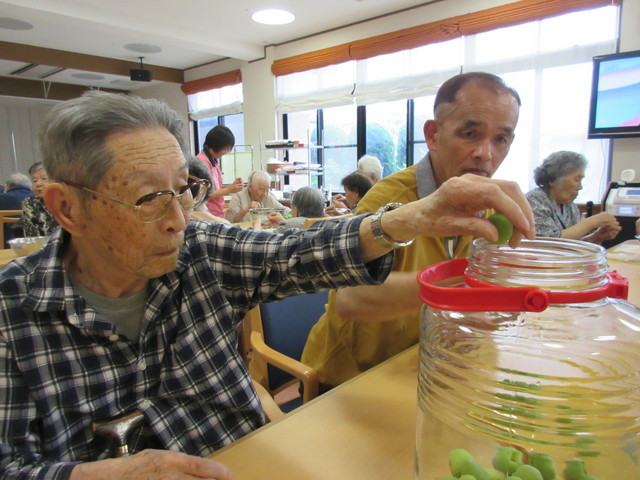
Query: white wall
(173,96)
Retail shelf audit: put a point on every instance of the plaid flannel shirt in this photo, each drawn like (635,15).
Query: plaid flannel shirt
(62,366)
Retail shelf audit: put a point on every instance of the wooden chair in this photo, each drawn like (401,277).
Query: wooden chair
(8,216)
(279,331)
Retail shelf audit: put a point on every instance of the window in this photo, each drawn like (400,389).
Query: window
(234,122)
(548,62)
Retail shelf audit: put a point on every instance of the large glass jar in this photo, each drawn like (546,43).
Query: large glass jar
(524,352)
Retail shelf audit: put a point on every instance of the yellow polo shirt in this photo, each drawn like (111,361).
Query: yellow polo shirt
(340,348)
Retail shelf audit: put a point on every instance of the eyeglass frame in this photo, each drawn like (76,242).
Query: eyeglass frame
(136,206)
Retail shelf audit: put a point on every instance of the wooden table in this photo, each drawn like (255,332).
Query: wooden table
(6,255)
(363,429)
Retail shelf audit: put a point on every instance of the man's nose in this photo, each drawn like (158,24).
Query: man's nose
(483,150)
(176,216)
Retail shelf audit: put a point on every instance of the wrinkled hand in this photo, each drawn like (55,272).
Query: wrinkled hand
(152,465)
(236,186)
(255,204)
(274,218)
(338,206)
(604,219)
(451,210)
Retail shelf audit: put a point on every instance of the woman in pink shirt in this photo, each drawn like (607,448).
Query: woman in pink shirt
(218,141)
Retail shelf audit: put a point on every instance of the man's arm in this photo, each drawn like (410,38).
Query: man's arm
(396,297)
(452,210)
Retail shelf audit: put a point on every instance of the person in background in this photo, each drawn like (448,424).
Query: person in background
(306,202)
(37,221)
(199,170)
(371,167)
(130,306)
(257,194)
(219,141)
(559,179)
(356,185)
(475,116)
(17,188)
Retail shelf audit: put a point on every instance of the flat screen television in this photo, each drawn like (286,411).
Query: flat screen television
(615,96)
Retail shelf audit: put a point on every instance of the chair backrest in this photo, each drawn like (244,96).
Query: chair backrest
(286,325)
(6,217)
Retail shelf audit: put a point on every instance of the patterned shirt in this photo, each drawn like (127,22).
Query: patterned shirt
(551,219)
(62,365)
(38,221)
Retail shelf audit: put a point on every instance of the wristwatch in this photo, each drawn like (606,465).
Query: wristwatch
(378,234)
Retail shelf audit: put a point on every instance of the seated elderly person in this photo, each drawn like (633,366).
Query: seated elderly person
(559,179)
(257,194)
(17,189)
(132,307)
(370,167)
(356,185)
(37,220)
(306,202)
(198,170)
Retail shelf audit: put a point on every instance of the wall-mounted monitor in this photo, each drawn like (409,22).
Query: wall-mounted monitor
(615,96)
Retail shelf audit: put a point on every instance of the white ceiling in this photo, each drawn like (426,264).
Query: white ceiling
(189,32)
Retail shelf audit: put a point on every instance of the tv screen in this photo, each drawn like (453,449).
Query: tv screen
(615,96)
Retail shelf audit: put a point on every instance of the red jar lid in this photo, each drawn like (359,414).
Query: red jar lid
(477,296)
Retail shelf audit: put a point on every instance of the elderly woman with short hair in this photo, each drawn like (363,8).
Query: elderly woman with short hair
(307,202)
(559,179)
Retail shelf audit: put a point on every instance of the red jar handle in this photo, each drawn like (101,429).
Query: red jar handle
(477,296)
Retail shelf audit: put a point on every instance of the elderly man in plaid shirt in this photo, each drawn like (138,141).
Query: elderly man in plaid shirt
(130,306)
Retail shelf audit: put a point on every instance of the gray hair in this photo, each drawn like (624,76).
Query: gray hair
(18,180)
(371,166)
(558,165)
(72,140)
(198,169)
(309,202)
(259,174)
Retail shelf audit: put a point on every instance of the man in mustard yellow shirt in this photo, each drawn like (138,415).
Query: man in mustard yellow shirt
(475,115)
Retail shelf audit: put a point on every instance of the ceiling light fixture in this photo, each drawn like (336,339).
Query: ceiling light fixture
(273,16)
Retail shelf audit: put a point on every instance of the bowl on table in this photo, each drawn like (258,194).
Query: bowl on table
(27,245)
(261,213)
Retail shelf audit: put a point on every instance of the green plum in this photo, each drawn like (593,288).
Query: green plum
(504,227)
(575,469)
(457,457)
(544,464)
(507,459)
(528,472)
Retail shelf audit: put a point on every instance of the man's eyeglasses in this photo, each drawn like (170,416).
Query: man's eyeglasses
(153,206)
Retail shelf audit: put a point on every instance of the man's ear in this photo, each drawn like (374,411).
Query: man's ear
(431,134)
(65,206)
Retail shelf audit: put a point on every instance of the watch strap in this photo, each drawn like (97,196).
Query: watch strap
(376,228)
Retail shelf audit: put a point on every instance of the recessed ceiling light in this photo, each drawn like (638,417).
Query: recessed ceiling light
(273,16)
(14,24)
(88,76)
(143,48)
